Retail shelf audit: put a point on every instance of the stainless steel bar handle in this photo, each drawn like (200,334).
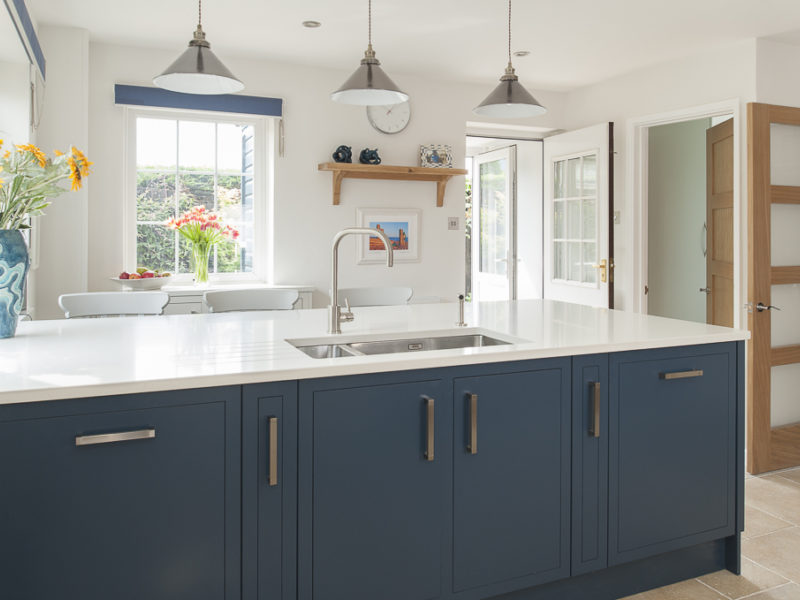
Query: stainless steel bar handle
(272,474)
(119,436)
(594,428)
(682,374)
(430,435)
(472,446)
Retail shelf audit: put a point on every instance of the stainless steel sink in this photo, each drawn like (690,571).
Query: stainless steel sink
(394,346)
(327,351)
(426,343)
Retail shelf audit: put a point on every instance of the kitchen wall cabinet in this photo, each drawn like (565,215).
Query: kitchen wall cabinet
(269,491)
(510,487)
(374,459)
(672,431)
(154,515)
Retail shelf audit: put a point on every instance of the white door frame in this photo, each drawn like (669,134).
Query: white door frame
(636,189)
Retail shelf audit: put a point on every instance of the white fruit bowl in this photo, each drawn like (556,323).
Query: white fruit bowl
(151,283)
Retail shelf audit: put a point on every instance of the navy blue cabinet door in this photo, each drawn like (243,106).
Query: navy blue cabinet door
(154,515)
(269,491)
(511,476)
(589,463)
(374,452)
(672,479)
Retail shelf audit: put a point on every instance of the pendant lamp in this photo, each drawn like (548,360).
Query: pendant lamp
(198,70)
(509,99)
(369,85)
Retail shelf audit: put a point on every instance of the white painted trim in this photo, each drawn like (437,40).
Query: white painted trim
(636,190)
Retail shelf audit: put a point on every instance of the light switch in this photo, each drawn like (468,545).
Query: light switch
(452,223)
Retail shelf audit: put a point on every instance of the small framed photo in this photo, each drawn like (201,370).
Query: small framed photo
(400,225)
(436,155)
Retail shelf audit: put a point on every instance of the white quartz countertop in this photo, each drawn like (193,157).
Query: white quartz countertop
(76,358)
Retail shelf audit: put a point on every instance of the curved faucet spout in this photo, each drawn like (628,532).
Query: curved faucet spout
(335,312)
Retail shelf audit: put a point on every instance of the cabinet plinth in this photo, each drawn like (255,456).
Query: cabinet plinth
(342,171)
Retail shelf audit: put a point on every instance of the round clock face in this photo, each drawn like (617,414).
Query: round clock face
(391,118)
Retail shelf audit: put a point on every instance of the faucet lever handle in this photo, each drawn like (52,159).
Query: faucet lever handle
(346,315)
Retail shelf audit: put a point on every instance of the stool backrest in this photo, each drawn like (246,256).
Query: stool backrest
(112,304)
(250,299)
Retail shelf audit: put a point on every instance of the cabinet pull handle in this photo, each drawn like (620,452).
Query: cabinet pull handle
(594,427)
(429,412)
(472,446)
(681,374)
(272,474)
(119,436)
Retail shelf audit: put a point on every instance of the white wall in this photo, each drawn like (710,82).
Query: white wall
(676,211)
(314,126)
(63,230)
(15,101)
(706,78)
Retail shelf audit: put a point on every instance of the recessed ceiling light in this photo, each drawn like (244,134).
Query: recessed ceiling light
(522,53)
(312,24)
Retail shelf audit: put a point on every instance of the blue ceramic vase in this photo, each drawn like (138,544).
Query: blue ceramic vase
(14,263)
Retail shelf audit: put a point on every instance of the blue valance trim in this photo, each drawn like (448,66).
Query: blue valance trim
(18,12)
(231,103)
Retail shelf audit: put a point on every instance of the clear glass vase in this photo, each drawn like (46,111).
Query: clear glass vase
(200,255)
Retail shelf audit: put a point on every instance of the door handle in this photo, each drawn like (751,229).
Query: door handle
(429,455)
(762,307)
(603,266)
(272,460)
(119,436)
(707,290)
(594,427)
(472,446)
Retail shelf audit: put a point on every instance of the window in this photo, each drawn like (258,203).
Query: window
(575,230)
(190,159)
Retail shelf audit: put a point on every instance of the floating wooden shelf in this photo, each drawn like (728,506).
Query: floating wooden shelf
(358,171)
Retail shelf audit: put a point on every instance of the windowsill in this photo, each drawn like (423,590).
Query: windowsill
(187,288)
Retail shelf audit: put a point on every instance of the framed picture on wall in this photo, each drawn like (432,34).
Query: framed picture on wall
(402,227)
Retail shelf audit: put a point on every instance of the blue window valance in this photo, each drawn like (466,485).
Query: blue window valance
(231,103)
(18,12)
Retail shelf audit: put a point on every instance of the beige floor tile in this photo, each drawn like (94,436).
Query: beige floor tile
(685,590)
(753,579)
(779,551)
(794,475)
(785,592)
(776,495)
(757,522)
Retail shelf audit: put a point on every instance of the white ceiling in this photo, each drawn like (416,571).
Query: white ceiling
(572,42)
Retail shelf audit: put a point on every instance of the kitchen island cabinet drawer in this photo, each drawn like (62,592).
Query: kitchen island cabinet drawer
(672,455)
(125,497)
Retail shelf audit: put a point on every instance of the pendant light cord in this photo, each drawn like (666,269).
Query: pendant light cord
(509,31)
(369,29)
(199,12)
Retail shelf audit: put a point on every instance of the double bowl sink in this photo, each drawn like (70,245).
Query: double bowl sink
(371,345)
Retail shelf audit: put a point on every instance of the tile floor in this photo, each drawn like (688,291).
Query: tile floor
(770,548)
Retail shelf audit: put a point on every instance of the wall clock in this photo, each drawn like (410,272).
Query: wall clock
(391,118)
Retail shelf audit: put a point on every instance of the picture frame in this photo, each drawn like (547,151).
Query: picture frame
(402,225)
(436,156)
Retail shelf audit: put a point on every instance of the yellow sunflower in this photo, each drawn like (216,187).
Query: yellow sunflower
(37,153)
(83,162)
(74,174)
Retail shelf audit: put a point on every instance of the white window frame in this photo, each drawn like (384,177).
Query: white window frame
(580,197)
(263,186)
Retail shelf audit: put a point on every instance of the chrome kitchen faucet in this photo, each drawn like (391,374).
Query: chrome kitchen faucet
(336,315)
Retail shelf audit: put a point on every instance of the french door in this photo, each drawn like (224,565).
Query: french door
(578,243)
(493,225)
(773,357)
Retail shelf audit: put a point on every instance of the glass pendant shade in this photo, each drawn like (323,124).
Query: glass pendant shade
(510,100)
(369,85)
(198,71)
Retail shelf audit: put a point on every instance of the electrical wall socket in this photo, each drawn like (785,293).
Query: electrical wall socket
(452,223)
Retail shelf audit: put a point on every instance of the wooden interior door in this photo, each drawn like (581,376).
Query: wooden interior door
(719,221)
(773,356)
